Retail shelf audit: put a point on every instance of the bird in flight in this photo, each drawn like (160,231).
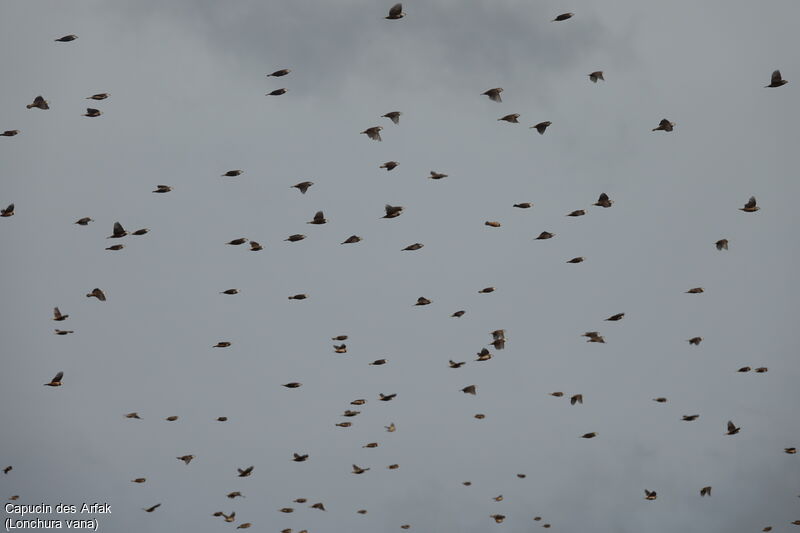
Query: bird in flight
(396,12)
(776,80)
(56,381)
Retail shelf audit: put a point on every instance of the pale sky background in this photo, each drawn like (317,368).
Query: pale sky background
(187,83)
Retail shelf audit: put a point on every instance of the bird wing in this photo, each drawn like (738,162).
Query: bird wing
(776,76)
(396,10)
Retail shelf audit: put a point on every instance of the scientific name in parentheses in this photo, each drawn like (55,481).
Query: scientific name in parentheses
(38,523)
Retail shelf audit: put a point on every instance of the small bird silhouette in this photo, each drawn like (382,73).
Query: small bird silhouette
(664,125)
(97,293)
(396,12)
(373,133)
(56,381)
(39,102)
(494,94)
(750,206)
(596,75)
(776,80)
(541,127)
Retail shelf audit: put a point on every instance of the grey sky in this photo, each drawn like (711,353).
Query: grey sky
(187,83)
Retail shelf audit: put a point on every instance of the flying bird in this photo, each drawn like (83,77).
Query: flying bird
(233,173)
(298,458)
(750,206)
(596,75)
(649,494)
(39,102)
(603,201)
(576,260)
(277,92)
(690,418)
(234,494)
(133,415)
(358,470)
(562,17)
(294,238)
(57,316)
(230,291)
(544,236)
(591,435)
(394,116)
(302,186)
(436,175)
(453,364)
(9,133)
(458,314)
(392,211)
(139,480)
(510,118)
(280,73)
(98,96)
(470,389)
(389,165)
(63,331)
(721,244)
(524,205)
(83,221)
(494,94)
(664,125)
(412,247)
(577,398)
(245,472)
(732,429)
(576,213)
(92,112)
(396,12)
(97,293)
(255,247)
(319,218)
(66,38)
(8,211)
(171,418)
(776,80)
(162,188)
(118,232)
(695,290)
(422,301)
(153,508)
(185,458)
(142,231)
(387,397)
(373,133)
(695,341)
(541,127)
(56,381)
(705,491)
(352,239)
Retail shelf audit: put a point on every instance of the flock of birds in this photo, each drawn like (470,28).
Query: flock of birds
(340,347)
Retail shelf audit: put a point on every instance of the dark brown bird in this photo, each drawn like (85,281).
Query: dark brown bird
(185,458)
(466,483)
(521,476)
(664,125)
(591,435)
(172,418)
(486,290)
(695,290)
(245,472)
(603,201)
(222,419)
(116,247)
(649,494)
(360,401)
(492,223)
(319,506)
(750,206)
(378,362)
(392,211)
(394,116)
(458,314)
(319,218)
(744,369)
(524,205)
(614,318)
(362,511)
(341,348)
(98,96)
(97,293)
(8,469)
(118,232)
(494,94)
(577,398)
(453,364)
(255,247)
(277,92)
(541,127)
(133,415)
(498,518)
(470,389)
(9,133)
(373,133)
(162,188)
(370,445)
(437,175)
(576,260)
(484,355)
(705,491)
(142,231)
(558,394)
(246,525)
(690,418)
(352,239)
(234,494)
(761,370)
(562,17)
(298,297)
(776,80)
(8,211)
(576,213)
(292,385)
(153,508)
(92,112)
(56,381)
(412,247)
(422,301)
(280,73)
(387,397)
(63,331)
(294,238)
(340,338)
(358,470)
(39,102)
(139,480)
(298,458)
(230,291)
(302,186)
(393,467)
(721,244)
(660,399)
(237,242)
(389,165)
(66,38)
(695,341)
(732,429)
(596,75)
(545,235)
(510,118)
(57,316)
(233,173)
(790,451)
(396,12)
(84,221)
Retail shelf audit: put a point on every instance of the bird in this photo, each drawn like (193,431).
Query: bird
(466,483)
(690,418)
(319,218)
(133,415)
(116,247)
(649,494)
(370,445)
(237,242)
(63,331)
(744,369)
(359,401)
(233,173)
(98,96)
(298,458)
(563,17)
(394,116)
(139,480)
(277,92)
(396,12)
(454,364)
(185,458)
(732,429)
(378,362)
(162,188)
(292,385)
(422,301)
(245,472)
(392,211)
(721,244)
(319,506)
(492,223)
(246,525)
(437,175)
(750,206)
(776,80)
(302,186)
(66,38)
(498,518)
(494,94)
(486,290)
(56,381)
(790,451)
(234,494)
(172,418)
(9,133)
(294,238)
(230,291)
(664,125)
(389,165)
(298,297)
(596,75)
(484,355)
(8,469)
(695,290)
(340,338)
(255,247)
(39,102)
(576,213)
(575,260)
(614,318)
(705,491)
(92,112)
(603,201)
(510,118)
(386,397)
(523,205)
(412,247)
(57,316)
(545,235)
(522,476)
(591,435)
(373,133)
(341,348)
(83,221)
(393,467)
(358,470)
(153,508)
(8,211)
(695,341)
(470,389)
(660,399)
(352,239)
(280,73)
(97,293)
(558,394)
(362,511)
(761,370)
(541,127)
(577,398)
(118,232)
(142,231)
(222,419)
(458,314)
(391,428)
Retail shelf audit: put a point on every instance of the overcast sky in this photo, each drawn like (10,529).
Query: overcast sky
(188,81)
